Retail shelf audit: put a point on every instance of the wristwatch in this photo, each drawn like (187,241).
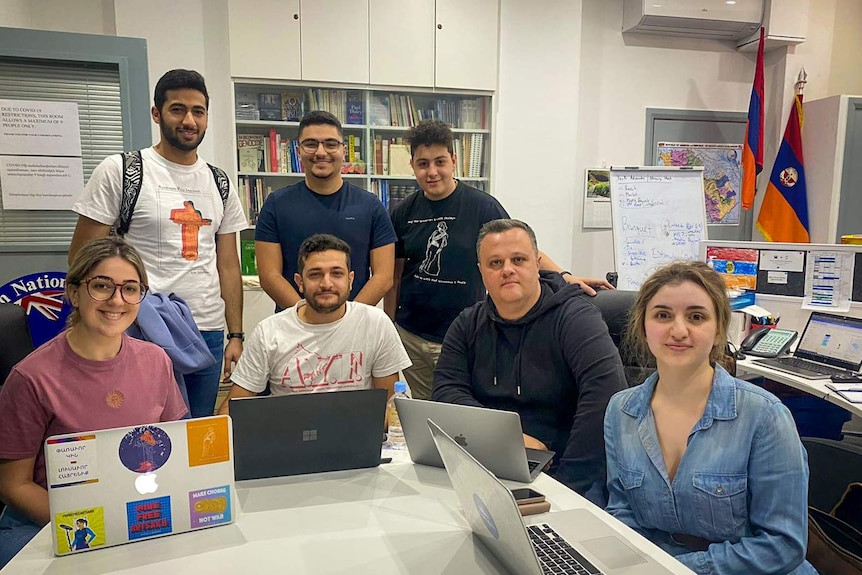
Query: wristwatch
(236,335)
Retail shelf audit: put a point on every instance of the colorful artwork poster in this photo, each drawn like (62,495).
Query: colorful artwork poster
(80,530)
(208,441)
(209,507)
(145,449)
(737,266)
(149,517)
(722,175)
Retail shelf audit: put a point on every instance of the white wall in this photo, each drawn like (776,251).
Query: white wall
(536,127)
(846,48)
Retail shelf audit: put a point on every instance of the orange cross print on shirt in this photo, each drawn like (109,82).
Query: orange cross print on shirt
(190,221)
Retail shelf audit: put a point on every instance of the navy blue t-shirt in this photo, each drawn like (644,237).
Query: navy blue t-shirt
(291,214)
(437,240)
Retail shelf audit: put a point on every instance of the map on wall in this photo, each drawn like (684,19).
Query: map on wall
(722,175)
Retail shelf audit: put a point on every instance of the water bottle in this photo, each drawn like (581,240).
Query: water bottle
(395,435)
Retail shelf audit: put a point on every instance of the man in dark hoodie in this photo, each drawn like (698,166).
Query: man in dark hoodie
(535,345)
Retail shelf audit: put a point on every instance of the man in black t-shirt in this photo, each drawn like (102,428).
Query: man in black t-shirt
(436,272)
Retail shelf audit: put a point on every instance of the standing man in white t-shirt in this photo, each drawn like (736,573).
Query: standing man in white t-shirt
(181,226)
(324,342)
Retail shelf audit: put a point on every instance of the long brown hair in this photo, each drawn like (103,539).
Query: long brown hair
(676,273)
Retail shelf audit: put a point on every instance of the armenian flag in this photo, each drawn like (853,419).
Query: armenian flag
(783,215)
(752,150)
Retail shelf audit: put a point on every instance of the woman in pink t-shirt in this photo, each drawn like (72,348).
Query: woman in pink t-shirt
(91,376)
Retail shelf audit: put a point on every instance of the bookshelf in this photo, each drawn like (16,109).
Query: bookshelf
(374,121)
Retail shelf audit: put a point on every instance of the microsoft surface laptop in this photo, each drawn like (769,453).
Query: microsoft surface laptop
(121,485)
(307,433)
(574,541)
(830,345)
(492,436)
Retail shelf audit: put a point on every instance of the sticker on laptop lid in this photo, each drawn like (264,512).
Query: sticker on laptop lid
(79,530)
(149,517)
(208,441)
(71,461)
(209,507)
(145,449)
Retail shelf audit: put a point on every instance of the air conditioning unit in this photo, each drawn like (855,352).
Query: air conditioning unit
(718,19)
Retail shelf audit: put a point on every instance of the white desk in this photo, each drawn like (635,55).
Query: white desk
(398,518)
(815,387)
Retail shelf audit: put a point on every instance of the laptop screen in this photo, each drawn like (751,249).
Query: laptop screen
(833,340)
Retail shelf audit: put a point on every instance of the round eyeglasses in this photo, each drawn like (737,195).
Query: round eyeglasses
(310,146)
(101,288)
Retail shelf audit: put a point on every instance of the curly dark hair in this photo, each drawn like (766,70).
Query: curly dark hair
(430,133)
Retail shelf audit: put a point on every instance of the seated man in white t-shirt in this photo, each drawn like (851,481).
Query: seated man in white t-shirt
(324,342)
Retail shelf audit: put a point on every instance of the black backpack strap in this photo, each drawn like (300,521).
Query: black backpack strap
(133,170)
(222,183)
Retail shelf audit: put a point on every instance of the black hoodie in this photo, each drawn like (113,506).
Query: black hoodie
(557,367)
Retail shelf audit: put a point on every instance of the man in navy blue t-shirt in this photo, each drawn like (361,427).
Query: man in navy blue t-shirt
(323,204)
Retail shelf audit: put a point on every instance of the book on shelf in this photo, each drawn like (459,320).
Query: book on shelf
(245,106)
(248,262)
(354,108)
(378,111)
(292,106)
(399,160)
(249,152)
(274,148)
(476,155)
(269,105)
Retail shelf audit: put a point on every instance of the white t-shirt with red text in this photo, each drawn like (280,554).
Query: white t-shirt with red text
(292,356)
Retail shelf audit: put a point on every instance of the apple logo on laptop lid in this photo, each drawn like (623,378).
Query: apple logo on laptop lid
(146,483)
(460,440)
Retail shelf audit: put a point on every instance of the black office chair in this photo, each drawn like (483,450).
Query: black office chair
(615,306)
(15,341)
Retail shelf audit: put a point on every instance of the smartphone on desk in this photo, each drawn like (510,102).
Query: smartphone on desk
(768,342)
(527,495)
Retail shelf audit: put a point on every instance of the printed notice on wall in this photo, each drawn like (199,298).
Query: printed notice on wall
(828,281)
(597,199)
(40,155)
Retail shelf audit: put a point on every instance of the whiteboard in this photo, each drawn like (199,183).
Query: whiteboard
(658,216)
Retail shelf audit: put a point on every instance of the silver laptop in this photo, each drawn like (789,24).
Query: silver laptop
(492,436)
(122,485)
(830,345)
(574,541)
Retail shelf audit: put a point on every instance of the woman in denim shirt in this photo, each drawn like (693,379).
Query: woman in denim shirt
(708,467)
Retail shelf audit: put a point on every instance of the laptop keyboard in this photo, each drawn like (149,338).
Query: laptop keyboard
(532,465)
(556,555)
(798,363)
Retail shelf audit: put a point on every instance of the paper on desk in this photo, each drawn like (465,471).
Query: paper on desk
(828,281)
(756,311)
(851,396)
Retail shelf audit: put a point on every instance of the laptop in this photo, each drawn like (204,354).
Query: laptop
(307,433)
(574,541)
(830,345)
(492,436)
(122,485)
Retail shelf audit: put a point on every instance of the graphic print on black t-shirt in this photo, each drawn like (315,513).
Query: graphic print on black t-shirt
(437,242)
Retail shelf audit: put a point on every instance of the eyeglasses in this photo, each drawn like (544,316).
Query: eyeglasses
(102,288)
(330,145)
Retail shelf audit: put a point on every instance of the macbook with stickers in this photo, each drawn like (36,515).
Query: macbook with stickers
(116,486)
(573,541)
(492,436)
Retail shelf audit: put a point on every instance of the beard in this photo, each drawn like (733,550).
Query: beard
(327,308)
(170,136)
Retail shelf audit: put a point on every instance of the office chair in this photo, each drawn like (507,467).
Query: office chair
(15,341)
(615,306)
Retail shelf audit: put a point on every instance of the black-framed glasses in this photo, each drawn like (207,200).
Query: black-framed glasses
(330,145)
(101,288)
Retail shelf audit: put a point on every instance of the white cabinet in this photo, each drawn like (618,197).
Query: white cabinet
(264,39)
(467,44)
(335,41)
(402,42)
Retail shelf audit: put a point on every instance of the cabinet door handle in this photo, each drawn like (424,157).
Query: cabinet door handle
(439,26)
(296,16)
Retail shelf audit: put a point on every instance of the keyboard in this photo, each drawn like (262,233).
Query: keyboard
(556,555)
(802,364)
(532,464)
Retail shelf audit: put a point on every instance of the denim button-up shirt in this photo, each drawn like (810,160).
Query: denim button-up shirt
(742,482)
